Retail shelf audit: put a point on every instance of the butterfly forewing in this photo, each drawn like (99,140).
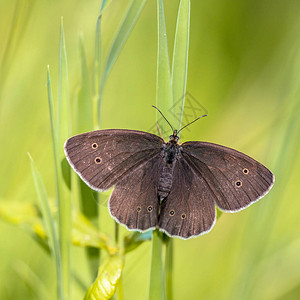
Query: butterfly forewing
(104,157)
(189,210)
(134,201)
(236,179)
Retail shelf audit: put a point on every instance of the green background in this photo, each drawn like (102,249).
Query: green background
(244,66)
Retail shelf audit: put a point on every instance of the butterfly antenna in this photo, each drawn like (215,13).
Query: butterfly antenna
(163,117)
(191,123)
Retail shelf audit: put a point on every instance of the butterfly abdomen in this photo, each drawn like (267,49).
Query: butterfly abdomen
(166,175)
(165,181)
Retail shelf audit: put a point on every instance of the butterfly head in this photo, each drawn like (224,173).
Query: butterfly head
(174,138)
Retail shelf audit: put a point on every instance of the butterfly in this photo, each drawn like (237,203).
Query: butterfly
(167,185)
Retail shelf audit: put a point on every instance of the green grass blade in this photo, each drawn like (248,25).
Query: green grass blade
(53,128)
(121,37)
(97,60)
(157,284)
(169,268)
(106,283)
(164,100)
(98,51)
(84,109)
(48,219)
(180,60)
(63,125)
(97,71)
(58,175)
(63,131)
(125,29)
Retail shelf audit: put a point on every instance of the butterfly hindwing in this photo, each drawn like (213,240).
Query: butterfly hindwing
(104,157)
(236,179)
(134,201)
(189,209)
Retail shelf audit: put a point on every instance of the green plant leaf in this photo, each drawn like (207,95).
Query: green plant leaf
(121,37)
(63,131)
(63,100)
(48,219)
(109,274)
(164,99)
(169,268)
(157,283)
(62,289)
(24,215)
(85,234)
(97,65)
(97,73)
(28,217)
(84,108)
(180,60)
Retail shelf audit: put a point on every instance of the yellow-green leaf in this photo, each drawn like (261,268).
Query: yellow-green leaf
(26,215)
(106,283)
(84,234)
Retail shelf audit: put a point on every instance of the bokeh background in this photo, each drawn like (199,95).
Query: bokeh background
(244,68)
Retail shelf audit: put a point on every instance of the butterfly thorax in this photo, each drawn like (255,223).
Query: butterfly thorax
(170,152)
(171,148)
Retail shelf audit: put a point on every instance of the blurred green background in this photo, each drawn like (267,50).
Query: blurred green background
(244,68)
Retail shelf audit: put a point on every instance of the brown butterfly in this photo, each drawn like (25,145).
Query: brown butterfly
(168,185)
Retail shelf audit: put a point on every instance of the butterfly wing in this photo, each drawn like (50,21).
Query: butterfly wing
(235,179)
(103,157)
(134,200)
(189,210)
